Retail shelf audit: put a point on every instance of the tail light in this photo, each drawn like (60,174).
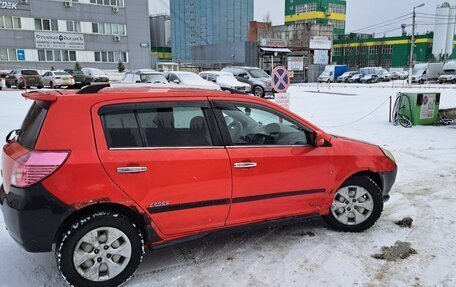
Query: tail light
(35,166)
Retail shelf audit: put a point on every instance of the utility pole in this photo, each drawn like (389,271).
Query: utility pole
(412,43)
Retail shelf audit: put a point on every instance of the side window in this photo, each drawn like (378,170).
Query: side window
(204,76)
(175,127)
(122,130)
(253,125)
(157,125)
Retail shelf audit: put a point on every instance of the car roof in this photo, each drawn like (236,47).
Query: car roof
(132,92)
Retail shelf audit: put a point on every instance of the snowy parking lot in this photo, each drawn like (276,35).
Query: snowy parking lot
(308,254)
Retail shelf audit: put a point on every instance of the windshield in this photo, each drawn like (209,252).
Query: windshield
(32,123)
(257,73)
(345,74)
(97,72)
(418,73)
(153,78)
(61,74)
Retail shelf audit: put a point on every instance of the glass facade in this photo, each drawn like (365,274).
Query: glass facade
(207,22)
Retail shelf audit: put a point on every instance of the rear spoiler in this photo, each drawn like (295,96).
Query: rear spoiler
(47,96)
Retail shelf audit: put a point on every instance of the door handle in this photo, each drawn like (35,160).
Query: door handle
(245,164)
(132,169)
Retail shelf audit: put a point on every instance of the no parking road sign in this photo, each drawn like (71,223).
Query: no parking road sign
(280,79)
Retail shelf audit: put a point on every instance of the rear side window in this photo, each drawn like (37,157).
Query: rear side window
(122,130)
(157,125)
(32,124)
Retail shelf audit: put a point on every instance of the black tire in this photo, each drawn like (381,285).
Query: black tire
(375,193)
(40,87)
(258,91)
(69,238)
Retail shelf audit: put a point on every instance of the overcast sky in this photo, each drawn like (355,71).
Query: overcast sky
(360,13)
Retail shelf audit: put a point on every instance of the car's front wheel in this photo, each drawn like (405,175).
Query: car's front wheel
(102,249)
(357,205)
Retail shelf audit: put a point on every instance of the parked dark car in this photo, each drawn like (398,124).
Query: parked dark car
(23,79)
(79,77)
(258,79)
(95,75)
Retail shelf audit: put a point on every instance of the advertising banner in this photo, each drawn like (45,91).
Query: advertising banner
(56,40)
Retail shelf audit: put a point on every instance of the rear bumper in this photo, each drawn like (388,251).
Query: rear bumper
(32,216)
(388,179)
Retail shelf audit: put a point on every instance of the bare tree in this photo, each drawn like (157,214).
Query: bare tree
(267,18)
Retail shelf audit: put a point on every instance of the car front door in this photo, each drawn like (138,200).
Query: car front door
(168,156)
(276,171)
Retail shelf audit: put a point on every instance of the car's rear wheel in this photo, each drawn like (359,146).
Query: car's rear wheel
(357,205)
(258,91)
(103,249)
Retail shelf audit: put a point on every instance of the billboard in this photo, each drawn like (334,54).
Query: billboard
(56,40)
(320,43)
(321,57)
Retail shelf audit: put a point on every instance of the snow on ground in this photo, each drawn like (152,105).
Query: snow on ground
(290,255)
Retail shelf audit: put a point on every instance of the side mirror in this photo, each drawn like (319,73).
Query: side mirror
(176,82)
(319,139)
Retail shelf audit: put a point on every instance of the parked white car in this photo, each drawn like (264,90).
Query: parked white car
(144,76)
(56,79)
(225,80)
(190,80)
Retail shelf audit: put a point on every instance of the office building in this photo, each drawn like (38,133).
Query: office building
(213,23)
(41,34)
(317,12)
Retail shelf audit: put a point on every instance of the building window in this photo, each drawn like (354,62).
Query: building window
(337,24)
(306,8)
(46,25)
(108,29)
(97,57)
(336,8)
(7,54)
(57,55)
(73,26)
(110,57)
(9,22)
(119,3)
(41,55)
(95,28)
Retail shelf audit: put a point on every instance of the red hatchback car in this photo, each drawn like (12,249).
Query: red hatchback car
(103,174)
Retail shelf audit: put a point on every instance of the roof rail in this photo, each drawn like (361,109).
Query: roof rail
(93,89)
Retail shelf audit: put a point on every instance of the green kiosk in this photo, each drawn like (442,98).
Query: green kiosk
(418,108)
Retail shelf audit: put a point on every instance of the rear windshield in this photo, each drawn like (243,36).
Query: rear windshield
(61,73)
(32,124)
(29,72)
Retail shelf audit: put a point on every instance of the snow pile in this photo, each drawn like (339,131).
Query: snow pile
(308,254)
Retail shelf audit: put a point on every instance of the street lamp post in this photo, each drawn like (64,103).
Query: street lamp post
(412,43)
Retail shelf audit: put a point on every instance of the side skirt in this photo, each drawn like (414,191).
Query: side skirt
(236,229)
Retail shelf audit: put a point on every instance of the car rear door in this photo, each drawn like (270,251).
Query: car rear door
(276,172)
(168,156)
